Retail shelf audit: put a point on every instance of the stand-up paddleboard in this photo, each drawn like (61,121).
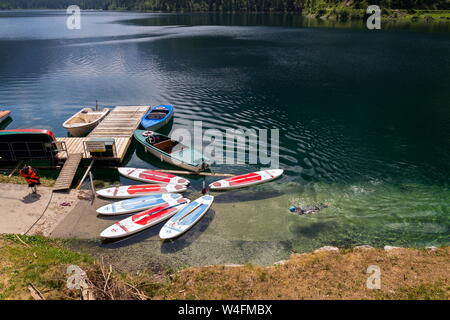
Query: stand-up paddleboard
(123,192)
(139,204)
(186,217)
(245,180)
(143,220)
(151,176)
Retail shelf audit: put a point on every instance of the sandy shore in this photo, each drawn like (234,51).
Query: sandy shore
(25,213)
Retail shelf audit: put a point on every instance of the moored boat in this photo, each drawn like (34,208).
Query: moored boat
(84,121)
(171,151)
(157,117)
(27,144)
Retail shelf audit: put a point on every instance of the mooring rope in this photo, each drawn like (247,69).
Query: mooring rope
(46,207)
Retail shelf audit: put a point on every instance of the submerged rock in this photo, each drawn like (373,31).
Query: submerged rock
(390,248)
(327,248)
(364,247)
(233,265)
(280,263)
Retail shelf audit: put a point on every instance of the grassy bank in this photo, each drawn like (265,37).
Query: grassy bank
(405,274)
(342,13)
(4,178)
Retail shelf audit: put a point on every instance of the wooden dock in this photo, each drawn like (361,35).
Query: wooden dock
(119,125)
(67,173)
(120,122)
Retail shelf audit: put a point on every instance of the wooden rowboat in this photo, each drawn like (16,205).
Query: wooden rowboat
(171,151)
(84,121)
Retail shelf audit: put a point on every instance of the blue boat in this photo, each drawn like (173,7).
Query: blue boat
(157,117)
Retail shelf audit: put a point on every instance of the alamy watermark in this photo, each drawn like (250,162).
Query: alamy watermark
(228,146)
(76,277)
(73,22)
(374,280)
(374,20)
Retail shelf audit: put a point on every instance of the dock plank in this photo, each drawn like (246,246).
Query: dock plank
(68,172)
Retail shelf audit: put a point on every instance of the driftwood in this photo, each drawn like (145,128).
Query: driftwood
(20,239)
(35,292)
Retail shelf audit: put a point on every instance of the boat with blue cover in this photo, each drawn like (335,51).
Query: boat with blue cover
(157,117)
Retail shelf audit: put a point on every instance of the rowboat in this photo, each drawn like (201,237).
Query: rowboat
(124,192)
(4,114)
(157,117)
(151,176)
(84,121)
(139,204)
(143,220)
(245,180)
(171,151)
(186,218)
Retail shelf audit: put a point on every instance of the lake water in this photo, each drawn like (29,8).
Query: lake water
(364,117)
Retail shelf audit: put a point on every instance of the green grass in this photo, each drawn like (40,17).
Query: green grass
(17,179)
(345,14)
(35,260)
(43,262)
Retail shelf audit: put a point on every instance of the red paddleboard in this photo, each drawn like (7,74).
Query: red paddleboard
(151,176)
(245,180)
(123,192)
(143,220)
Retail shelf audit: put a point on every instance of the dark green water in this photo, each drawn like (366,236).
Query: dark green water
(364,116)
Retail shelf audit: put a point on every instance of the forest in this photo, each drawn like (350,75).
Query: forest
(293,6)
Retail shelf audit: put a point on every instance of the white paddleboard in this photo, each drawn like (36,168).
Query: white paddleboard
(151,176)
(186,217)
(245,180)
(139,204)
(123,192)
(143,220)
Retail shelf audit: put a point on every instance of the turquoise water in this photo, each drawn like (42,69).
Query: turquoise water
(364,117)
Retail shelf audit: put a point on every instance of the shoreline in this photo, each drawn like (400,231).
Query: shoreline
(223,236)
(337,14)
(162,272)
(405,274)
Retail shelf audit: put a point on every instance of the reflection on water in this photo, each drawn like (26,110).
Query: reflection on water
(4,124)
(277,20)
(363,118)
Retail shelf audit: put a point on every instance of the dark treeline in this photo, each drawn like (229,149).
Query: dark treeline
(295,6)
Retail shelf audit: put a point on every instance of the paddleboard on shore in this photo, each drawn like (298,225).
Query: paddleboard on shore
(186,217)
(151,176)
(124,192)
(139,204)
(245,180)
(143,220)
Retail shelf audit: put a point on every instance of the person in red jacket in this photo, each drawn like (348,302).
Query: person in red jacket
(31,176)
